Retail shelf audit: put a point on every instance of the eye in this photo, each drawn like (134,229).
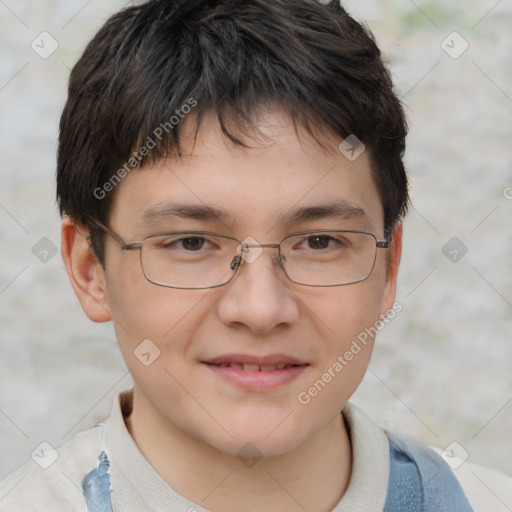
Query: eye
(192,243)
(319,241)
(322,242)
(186,243)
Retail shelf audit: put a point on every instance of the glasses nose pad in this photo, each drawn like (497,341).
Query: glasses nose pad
(235,262)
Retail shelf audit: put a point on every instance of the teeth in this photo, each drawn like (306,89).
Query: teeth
(250,367)
(255,367)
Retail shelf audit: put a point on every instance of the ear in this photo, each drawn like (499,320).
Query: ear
(394,257)
(84,271)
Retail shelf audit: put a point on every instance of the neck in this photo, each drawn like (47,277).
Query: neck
(313,476)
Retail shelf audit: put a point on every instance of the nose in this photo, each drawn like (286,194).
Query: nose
(259,296)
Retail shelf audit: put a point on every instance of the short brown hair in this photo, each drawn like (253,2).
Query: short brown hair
(315,61)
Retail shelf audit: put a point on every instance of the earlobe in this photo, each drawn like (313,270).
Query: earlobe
(395,255)
(85,273)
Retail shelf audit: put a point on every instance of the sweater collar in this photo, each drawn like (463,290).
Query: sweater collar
(143,489)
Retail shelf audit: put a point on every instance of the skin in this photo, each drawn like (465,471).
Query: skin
(183,408)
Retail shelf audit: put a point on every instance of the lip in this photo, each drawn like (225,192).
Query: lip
(256,380)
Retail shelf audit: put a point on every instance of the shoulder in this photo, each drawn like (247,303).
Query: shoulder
(419,479)
(52,480)
(447,482)
(485,488)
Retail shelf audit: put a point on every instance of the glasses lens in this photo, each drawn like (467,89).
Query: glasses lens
(329,258)
(188,260)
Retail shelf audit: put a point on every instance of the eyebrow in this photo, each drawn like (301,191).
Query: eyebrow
(339,209)
(185,211)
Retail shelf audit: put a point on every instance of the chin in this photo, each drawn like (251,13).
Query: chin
(249,448)
(269,438)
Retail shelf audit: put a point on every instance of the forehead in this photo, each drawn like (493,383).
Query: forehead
(282,178)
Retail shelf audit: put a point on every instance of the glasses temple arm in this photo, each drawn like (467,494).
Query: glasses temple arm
(115,236)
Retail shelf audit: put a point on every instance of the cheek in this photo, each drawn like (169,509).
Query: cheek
(155,327)
(142,310)
(346,318)
(343,312)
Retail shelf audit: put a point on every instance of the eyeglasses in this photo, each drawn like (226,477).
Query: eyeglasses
(200,259)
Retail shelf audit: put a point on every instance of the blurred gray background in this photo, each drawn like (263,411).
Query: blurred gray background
(441,371)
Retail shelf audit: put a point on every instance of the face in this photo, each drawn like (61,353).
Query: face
(260,317)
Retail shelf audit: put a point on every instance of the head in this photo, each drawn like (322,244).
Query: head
(227,117)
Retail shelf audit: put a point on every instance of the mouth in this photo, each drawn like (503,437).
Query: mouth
(246,367)
(256,373)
